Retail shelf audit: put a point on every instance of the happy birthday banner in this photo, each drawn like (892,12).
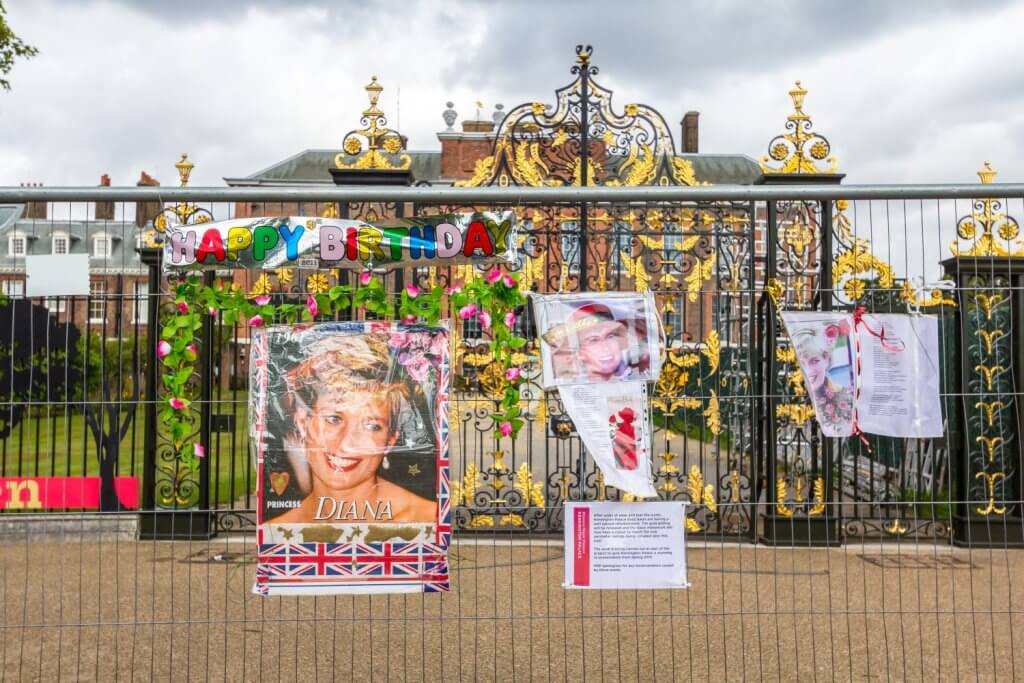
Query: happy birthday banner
(309,242)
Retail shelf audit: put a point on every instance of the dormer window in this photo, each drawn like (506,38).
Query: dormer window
(17,244)
(61,243)
(102,246)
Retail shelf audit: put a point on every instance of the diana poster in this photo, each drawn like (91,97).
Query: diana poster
(350,428)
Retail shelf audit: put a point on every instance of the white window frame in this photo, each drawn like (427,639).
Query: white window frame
(14,288)
(56,304)
(97,297)
(106,239)
(14,237)
(140,305)
(57,236)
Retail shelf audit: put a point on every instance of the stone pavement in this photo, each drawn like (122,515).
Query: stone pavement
(81,609)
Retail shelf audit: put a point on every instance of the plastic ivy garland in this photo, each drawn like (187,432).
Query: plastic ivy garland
(492,300)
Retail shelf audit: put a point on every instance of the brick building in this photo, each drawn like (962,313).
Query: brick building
(117,277)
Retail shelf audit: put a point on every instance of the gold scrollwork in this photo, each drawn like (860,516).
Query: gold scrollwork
(531,491)
(793,157)
(668,467)
(378,136)
(481,522)
(988,302)
(712,350)
(989,337)
(933,298)
(989,408)
(797,413)
(989,372)
(713,415)
(782,491)
(776,290)
(990,487)
(463,492)
(895,528)
(992,222)
(991,443)
(700,494)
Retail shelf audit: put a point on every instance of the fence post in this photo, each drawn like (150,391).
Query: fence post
(151,259)
(797,525)
(987,461)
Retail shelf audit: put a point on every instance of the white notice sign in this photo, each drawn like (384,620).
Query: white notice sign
(625,545)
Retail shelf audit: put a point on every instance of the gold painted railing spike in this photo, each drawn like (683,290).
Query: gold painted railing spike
(988,231)
(800,150)
(384,145)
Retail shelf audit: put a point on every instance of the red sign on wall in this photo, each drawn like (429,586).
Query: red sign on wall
(58,493)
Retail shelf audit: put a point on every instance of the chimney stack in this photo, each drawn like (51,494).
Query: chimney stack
(104,210)
(146,211)
(690,136)
(35,210)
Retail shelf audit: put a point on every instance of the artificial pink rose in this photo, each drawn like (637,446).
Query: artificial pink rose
(177,404)
(162,349)
(452,290)
(199,450)
(182,307)
(365,277)
(262,300)
(409,319)
(256,321)
(505,428)
(510,282)
(212,311)
(467,311)
(311,305)
(191,348)
(493,276)
(412,290)
(510,319)
(512,374)
(485,320)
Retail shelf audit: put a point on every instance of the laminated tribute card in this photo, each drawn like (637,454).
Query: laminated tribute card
(873,373)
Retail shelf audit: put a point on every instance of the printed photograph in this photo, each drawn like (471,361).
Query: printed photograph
(824,351)
(350,423)
(605,338)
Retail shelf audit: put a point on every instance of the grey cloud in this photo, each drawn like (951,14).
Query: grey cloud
(692,43)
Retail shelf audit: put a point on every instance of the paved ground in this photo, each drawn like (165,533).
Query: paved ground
(122,610)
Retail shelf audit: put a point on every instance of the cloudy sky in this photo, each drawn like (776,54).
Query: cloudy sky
(906,91)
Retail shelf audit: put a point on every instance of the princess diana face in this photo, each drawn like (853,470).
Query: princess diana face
(347,437)
(817,369)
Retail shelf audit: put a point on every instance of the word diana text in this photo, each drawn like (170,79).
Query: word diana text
(270,242)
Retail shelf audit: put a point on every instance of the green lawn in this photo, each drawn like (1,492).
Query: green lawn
(56,441)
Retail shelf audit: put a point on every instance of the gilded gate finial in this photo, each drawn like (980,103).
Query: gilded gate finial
(988,231)
(801,149)
(384,145)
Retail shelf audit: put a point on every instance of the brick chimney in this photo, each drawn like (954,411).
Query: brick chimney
(689,126)
(146,211)
(104,210)
(36,210)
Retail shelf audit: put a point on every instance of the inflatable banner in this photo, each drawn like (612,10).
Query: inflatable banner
(349,423)
(307,242)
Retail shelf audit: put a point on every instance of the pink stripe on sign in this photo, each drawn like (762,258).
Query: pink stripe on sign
(581,547)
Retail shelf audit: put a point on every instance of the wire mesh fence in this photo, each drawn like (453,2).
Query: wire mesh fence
(810,557)
(87,601)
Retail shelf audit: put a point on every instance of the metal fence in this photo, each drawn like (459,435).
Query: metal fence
(913,574)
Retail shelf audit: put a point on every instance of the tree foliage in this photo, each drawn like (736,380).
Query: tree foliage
(11,48)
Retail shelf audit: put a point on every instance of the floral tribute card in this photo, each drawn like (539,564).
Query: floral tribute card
(872,373)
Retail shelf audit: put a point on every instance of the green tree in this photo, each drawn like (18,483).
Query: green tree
(11,47)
